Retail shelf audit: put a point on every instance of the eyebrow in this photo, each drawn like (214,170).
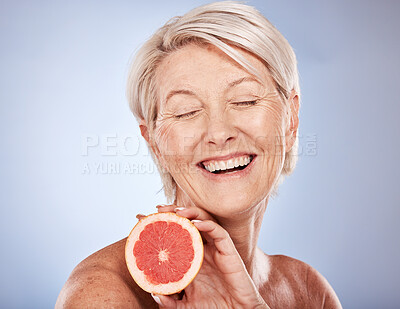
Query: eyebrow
(181,91)
(242,80)
(230,85)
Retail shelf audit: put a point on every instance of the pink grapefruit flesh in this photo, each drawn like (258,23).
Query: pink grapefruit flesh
(164,253)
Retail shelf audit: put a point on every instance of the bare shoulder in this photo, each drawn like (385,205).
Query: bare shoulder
(301,283)
(103,281)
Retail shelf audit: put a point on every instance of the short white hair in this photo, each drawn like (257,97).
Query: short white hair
(223,24)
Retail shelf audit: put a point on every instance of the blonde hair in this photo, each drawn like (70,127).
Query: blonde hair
(222,24)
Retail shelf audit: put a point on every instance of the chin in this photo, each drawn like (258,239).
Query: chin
(230,205)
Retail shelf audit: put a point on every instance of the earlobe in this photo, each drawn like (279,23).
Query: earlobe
(293,123)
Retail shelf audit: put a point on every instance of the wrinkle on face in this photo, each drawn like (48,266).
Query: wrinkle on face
(199,78)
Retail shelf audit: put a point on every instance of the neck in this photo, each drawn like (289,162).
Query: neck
(243,229)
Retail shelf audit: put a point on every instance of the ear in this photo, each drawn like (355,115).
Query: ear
(293,123)
(144,130)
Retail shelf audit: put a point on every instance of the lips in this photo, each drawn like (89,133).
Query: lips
(227,164)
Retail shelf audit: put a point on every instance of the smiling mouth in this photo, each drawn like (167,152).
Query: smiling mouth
(227,166)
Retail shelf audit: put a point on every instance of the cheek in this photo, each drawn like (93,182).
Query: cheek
(165,138)
(176,141)
(265,126)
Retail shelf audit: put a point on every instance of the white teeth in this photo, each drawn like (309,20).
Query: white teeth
(228,164)
(212,167)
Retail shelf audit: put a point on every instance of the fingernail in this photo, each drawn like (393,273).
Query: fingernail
(156,299)
(179,208)
(196,221)
(159,206)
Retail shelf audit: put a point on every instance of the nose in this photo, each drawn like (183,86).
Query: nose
(220,131)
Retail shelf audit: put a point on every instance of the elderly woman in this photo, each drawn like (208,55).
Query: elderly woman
(216,94)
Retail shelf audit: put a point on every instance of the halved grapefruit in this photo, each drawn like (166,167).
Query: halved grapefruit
(164,253)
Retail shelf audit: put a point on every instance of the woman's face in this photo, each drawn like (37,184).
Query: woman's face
(219,131)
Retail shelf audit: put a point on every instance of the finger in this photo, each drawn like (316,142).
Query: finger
(165,208)
(190,213)
(220,237)
(164,301)
(140,216)
(193,213)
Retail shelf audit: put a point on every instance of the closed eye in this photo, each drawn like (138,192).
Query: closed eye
(187,115)
(245,103)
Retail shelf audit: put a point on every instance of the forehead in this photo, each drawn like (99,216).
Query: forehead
(205,68)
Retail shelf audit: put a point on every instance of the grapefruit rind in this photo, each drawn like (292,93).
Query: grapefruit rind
(139,276)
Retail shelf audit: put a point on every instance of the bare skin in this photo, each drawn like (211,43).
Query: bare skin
(103,281)
(212,110)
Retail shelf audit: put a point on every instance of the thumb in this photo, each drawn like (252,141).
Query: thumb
(164,301)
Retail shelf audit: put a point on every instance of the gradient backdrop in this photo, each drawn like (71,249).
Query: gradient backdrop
(74,172)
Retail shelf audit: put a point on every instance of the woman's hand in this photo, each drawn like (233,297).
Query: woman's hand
(223,281)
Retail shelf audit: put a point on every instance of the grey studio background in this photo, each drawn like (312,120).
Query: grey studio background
(75,171)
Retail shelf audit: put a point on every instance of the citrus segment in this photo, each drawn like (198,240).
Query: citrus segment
(164,252)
